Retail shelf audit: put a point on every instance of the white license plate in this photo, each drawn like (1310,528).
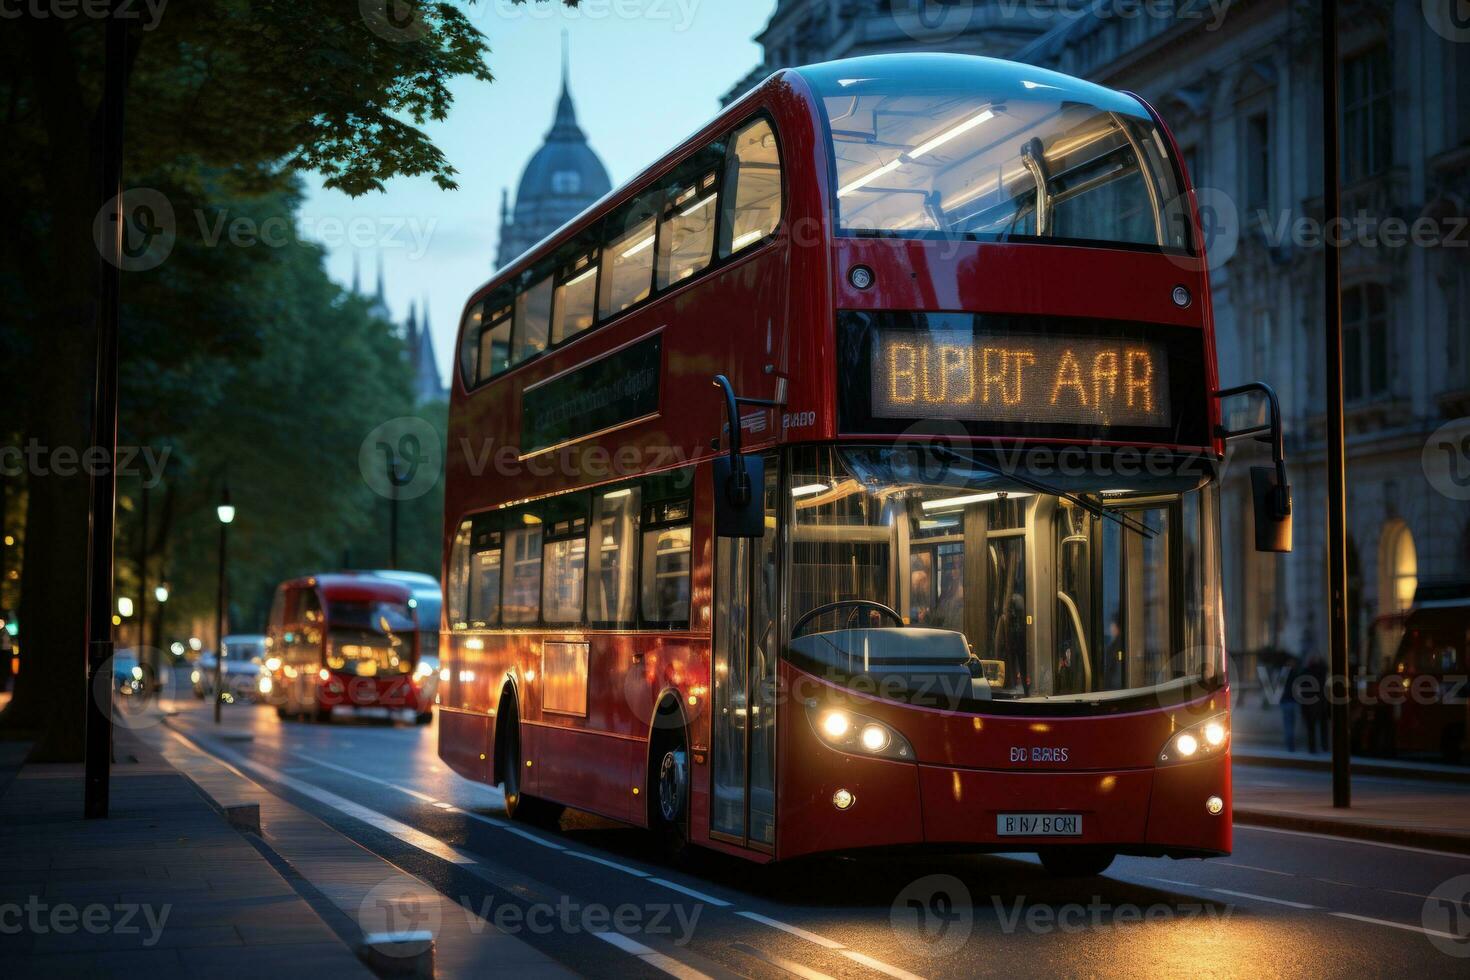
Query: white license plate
(1038,824)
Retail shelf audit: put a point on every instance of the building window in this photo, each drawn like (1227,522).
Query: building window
(1262,338)
(1258,162)
(1367,126)
(1365,367)
(566,182)
(752,197)
(1399,561)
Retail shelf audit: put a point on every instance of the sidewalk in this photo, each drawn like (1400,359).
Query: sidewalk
(163,887)
(201,897)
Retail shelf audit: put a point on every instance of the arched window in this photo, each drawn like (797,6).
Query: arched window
(1399,564)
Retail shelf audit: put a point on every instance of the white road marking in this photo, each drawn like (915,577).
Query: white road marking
(1350,840)
(533,838)
(810,937)
(1171,881)
(879,965)
(1397,925)
(1266,898)
(425,797)
(608,864)
(653,958)
(690,892)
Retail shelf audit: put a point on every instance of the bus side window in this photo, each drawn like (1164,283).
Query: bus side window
(521,580)
(469,344)
(686,240)
(627,261)
(612,571)
(532,320)
(666,553)
(495,348)
(576,297)
(752,188)
(459,576)
(566,571)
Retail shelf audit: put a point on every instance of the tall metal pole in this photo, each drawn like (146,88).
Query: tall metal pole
(392,509)
(1337,645)
(145,655)
(102,510)
(219,615)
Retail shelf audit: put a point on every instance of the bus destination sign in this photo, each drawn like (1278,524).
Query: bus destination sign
(1023,378)
(605,394)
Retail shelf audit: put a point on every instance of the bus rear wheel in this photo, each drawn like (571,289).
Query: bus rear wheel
(520,806)
(1066,862)
(669,788)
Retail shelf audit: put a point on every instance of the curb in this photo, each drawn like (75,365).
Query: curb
(1437,774)
(1428,839)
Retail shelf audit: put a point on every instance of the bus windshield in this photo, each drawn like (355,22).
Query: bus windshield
(370,638)
(961,585)
(981,149)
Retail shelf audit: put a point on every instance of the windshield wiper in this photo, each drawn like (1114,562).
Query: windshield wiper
(1039,486)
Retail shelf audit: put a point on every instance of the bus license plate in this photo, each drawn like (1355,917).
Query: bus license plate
(1038,824)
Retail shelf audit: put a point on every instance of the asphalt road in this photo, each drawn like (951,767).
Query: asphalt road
(1283,904)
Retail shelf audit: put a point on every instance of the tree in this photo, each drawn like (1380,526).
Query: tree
(225,99)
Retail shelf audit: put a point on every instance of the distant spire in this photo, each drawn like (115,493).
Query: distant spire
(413,328)
(356,273)
(565,127)
(424,315)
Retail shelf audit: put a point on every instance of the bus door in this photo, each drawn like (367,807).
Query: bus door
(743,726)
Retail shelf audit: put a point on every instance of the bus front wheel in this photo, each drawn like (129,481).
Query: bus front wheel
(669,783)
(1064,862)
(518,805)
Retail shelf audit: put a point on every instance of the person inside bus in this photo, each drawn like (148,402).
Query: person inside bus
(1113,656)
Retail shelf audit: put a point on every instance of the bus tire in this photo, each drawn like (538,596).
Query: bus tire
(322,716)
(519,806)
(1069,862)
(281,711)
(668,784)
(423,718)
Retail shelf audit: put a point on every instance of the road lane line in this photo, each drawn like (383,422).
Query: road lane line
(1252,867)
(1398,925)
(533,838)
(690,892)
(780,962)
(810,937)
(1171,881)
(608,864)
(885,968)
(1266,898)
(425,797)
(1349,840)
(653,958)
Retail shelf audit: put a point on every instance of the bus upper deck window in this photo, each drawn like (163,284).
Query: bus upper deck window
(687,239)
(532,321)
(752,191)
(576,299)
(627,274)
(469,343)
(495,348)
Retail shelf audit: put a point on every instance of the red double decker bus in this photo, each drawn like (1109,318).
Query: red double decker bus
(849,478)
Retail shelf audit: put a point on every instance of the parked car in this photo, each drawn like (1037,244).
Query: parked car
(1420,703)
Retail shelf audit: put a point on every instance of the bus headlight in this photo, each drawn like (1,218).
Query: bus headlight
(422,670)
(1198,741)
(847,731)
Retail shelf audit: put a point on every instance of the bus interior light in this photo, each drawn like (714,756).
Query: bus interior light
(1202,740)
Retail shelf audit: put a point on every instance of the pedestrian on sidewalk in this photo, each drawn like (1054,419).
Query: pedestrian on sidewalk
(1289,708)
(1312,692)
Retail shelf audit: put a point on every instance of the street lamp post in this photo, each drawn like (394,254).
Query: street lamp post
(226,513)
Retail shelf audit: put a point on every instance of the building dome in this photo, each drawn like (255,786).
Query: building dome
(561,180)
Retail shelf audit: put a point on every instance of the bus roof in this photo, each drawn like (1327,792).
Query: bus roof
(349,586)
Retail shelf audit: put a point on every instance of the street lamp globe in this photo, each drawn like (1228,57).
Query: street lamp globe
(161,593)
(225,510)
(124,606)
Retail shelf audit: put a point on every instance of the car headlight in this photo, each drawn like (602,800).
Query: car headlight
(848,731)
(265,685)
(1201,740)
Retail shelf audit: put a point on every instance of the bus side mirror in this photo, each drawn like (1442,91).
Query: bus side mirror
(1272,500)
(740,512)
(1270,491)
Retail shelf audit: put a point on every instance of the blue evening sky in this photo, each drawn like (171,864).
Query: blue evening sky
(645,74)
